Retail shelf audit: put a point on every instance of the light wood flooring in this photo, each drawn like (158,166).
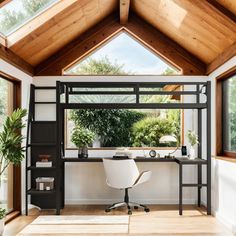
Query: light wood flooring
(161,220)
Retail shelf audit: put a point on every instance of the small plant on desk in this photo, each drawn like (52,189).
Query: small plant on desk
(193,140)
(82,137)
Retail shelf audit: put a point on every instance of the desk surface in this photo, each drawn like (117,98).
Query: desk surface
(179,160)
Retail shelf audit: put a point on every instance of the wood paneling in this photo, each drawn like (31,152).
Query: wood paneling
(222,58)
(80,47)
(165,47)
(124,11)
(225,11)
(10,57)
(195,25)
(229,4)
(3,40)
(62,29)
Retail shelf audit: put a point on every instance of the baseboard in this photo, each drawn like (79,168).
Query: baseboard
(226,222)
(110,201)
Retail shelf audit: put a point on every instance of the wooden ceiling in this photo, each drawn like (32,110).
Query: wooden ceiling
(203,30)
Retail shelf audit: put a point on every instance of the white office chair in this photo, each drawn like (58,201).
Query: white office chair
(124,174)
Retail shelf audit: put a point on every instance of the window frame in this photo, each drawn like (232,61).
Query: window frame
(16,169)
(219,110)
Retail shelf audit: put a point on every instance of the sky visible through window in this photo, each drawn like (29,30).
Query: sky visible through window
(131,56)
(17,12)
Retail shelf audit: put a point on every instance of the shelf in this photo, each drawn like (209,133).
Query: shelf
(33,191)
(43,122)
(41,168)
(194,185)
(187,161)
(45,103)
(42,144)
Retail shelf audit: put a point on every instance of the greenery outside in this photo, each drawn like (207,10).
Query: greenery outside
(124,127)
(16,12)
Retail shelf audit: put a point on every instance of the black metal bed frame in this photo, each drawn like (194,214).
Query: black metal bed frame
(67,89)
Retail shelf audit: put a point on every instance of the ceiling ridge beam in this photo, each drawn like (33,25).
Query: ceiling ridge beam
(124,11)
(80,47)
(165,47)
(220,8)
(7,55)
(229,53)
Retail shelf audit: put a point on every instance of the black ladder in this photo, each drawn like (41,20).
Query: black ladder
(41,140)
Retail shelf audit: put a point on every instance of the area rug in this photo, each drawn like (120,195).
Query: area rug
(72,225)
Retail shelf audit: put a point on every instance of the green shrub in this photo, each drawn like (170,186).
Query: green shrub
(148,131)
(82,137)
(113,126)
(2,213)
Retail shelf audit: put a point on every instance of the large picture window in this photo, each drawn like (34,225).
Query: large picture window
(10,179)
(229,114)
(226,122)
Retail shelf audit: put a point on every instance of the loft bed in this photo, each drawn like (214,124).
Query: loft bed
(69,95)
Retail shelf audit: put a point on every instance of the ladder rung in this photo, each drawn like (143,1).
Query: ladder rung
(45,88)
(45,103)
(194,185)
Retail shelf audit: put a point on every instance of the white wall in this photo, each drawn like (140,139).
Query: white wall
(85,182)
(26,80)
(223,172)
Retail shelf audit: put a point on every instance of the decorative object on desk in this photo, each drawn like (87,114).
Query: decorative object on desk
(123,153)
(82,137)
(11,151)
(169,139)
(184,151)
(44,157)
(193,140)
(152,153)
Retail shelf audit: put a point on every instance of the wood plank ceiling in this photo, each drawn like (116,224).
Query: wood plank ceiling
(205,31)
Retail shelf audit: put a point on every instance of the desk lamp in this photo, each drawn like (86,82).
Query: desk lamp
(169,139)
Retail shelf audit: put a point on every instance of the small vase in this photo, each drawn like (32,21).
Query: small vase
(191,153)
(1,226)
(83,152)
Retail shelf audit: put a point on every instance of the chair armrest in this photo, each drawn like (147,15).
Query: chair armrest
(143,177)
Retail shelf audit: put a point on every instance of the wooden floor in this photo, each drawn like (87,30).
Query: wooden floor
(162,220)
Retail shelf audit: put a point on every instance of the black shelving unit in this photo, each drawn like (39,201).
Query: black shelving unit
(41,139)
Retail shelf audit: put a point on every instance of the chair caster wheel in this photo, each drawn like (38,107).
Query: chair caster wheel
(129,212)
(136,207)
(107,210)
(146,209)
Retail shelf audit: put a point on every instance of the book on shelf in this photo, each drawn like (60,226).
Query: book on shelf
(43,164)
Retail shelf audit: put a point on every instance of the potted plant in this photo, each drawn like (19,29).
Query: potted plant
(193,140)
(11,151)
(82,137)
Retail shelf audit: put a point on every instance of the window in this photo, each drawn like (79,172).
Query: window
(122,55)
(226,101)
(10,179)
(17,12)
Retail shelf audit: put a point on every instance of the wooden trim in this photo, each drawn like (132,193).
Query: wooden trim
(38,21)
(165,47)
(219,113)
(10,57)
(220,8)
(222,58)
(224,158)
(3,40)
(11,216)
(80,47)
(124,11)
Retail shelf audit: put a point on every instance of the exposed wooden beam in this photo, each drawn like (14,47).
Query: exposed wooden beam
(4,2)
(124,11)
(80,47)
(38,21)
(222,58)
(10,57)
(222,10)
(165,47)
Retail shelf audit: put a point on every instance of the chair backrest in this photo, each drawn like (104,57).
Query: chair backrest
(120,173)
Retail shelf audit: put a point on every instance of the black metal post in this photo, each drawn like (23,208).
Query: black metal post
(208,147)
(180,189)
(58,147)
(199,167)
